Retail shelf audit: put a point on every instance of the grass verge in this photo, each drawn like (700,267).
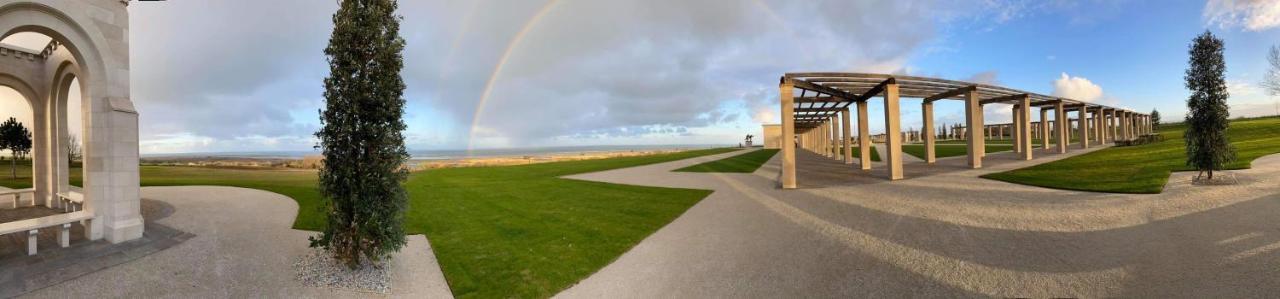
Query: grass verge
(1144,168)
(744,163)
(951,150)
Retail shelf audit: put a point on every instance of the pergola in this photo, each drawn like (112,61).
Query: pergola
(817,117)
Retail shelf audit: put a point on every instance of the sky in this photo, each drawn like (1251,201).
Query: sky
(246,75)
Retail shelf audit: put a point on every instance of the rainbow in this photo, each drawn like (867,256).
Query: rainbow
(519,38)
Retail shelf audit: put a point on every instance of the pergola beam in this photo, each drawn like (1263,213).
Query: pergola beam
(874,91)
(950,94)
(820,99)
(1007,98)
(802,84)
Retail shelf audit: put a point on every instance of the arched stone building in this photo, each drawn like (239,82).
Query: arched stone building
(89,43)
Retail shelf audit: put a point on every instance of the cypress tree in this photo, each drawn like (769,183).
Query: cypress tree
(361,137)
(1206,137)
(1155,119)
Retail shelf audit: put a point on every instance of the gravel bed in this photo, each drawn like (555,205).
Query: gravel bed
(319,269)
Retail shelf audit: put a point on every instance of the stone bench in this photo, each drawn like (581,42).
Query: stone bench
(33,226)
(17,194)
(71,201)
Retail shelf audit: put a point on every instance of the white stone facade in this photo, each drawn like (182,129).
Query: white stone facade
(90,43)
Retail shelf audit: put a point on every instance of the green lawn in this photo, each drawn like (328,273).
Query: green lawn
(744,163)
(951,150)
(875,155)
(1143,168)
(511,231)
(1034,141)
(520,231)
(23,171)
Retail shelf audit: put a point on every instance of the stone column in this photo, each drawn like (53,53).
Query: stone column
(973,119)
(1114,126)
(1102,125)
(893,131)
(835,137)
(844,139)
(788,177)
(1083,113)
(43,169)
(833,126)
(1064,137)
(1124,125)
(824,138)
(864,137)
(1017,129)
(1097,126)
(1024,117)
(927,111)
(1044,128)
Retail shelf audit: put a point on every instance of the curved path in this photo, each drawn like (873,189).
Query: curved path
(243,248)
(948,234)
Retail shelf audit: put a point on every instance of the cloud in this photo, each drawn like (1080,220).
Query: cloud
(987,77)
(1077,88)
(665,64)
(574,71)
(1238,88)
(1252,15)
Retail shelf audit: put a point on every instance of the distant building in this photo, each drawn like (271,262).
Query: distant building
(772,135)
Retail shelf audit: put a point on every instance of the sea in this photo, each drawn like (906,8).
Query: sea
(451,154)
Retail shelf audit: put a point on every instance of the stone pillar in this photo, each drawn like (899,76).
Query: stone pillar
(1044,128)
(1102,126)
(788,177)
(43,170)
(834,140)
(1017,129)
(1124,125)
(893,131)
(864,137)
(926,110)
(844,139)
(1024,117)
(824,138)
(1097,126)
(1064,137)
(973,119)
(831,137)
(1083,113)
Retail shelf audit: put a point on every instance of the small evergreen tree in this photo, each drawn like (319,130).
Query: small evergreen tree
(1155,119)
(362,138)
(1206,137)
(15,138)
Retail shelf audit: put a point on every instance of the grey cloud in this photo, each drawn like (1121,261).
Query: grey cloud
(235,69)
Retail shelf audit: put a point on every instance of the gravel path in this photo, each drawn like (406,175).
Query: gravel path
(944,232)
(244,248)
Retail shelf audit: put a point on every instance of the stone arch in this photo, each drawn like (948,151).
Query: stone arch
(23,88)
(94,34)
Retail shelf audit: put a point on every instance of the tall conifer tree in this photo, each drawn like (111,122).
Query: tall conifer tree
(362,136)
(1207,146)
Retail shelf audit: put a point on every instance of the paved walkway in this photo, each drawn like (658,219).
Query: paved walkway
(944,232)
(243,248)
